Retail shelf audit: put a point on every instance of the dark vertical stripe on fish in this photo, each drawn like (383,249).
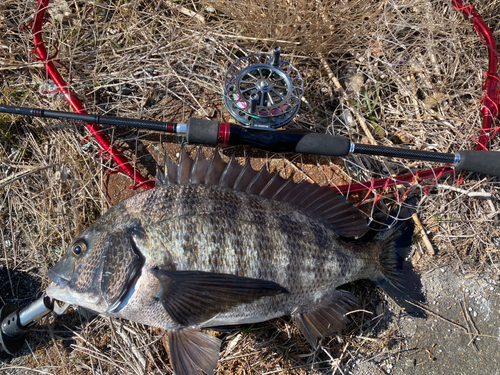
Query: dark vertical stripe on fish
(218,255)
(286,226)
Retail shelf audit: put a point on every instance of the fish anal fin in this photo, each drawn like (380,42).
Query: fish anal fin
(326,316)
(193,351)
(192,297)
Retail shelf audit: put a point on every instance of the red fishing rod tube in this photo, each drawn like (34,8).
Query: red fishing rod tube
(123,164)
(491,86)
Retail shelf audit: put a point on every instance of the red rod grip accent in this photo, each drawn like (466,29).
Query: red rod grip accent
(224,131)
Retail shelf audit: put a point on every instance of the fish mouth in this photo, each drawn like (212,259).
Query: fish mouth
(59,289)
(60,280)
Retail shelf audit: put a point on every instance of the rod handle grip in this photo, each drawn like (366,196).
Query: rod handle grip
(208,132)
(323,144)
(485,162)
(200,131)
(297,141)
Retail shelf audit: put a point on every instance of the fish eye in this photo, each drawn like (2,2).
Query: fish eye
(78,248)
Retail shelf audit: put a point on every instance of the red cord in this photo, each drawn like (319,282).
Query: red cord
(393,181)
(108,148)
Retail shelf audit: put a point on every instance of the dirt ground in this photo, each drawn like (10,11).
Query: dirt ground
(460,336)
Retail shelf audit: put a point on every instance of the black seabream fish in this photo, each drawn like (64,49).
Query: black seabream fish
(219,244)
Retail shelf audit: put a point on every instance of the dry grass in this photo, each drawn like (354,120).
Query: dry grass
(411,69)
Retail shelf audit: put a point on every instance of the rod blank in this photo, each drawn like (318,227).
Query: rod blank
(91,119)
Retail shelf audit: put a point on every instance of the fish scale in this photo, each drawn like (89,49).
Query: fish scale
(219,244)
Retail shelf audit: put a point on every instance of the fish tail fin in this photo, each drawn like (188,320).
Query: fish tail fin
(397,277)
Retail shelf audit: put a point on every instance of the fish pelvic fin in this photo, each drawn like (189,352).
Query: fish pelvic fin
(326,316)
(397,277)
(344,219)
(192,351)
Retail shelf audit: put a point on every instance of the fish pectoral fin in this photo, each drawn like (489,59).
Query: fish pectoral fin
(192,297)
(328,315)
(192,351)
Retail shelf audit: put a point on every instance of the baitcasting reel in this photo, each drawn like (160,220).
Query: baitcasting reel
(263,91)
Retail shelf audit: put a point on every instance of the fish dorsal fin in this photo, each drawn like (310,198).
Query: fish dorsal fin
(169,174)
(215,169)
(185,169)
(199,168)
(345,219)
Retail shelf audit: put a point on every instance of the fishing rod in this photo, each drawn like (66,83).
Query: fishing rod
(208,132)
(263,93)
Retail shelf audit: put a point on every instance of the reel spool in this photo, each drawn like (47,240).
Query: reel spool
(263,91)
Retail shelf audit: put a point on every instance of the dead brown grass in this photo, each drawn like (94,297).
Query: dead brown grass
(412,71)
